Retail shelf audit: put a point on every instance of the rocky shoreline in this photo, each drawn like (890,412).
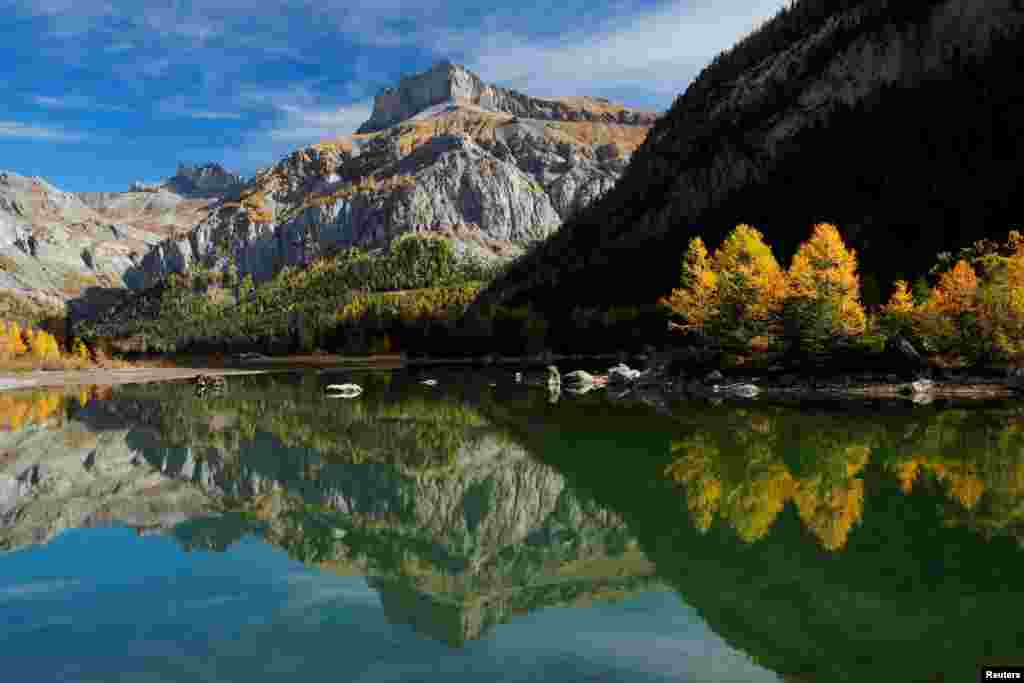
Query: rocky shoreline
(658,375)
(688,373)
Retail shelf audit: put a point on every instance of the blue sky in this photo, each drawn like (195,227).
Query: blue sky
(98,93)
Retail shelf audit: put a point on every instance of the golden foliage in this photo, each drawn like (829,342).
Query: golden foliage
(19,410)
(977,306)
(41,345)
(696,300)
(955,293)
(751,285)
(12,344)
(823,269)
(627,138)
(741,288)
(830,512)
(901,302)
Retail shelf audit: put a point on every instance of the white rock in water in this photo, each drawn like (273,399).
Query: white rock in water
(578,378)
(922,386)
(740,390)
(622,373)
(344,390)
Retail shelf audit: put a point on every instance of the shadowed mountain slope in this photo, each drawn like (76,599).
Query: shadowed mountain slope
(900,122)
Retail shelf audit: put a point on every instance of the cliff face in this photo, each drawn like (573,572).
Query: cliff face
(55,245)
(491,169)
(448,82)
(901,123)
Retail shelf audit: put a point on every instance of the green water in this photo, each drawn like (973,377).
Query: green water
(477,532)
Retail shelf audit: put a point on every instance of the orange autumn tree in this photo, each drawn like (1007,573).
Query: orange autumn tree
(823,307)
(751,284)
(696,299)
(1000,300)
(734,296)
(898,314)
(976,309)
(948,320)
(11,342)
(41,345)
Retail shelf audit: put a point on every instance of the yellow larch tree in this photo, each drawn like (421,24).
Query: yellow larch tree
(695,300)
(902,301)
(824,288)
(751,286)
(955,293)
(948,320)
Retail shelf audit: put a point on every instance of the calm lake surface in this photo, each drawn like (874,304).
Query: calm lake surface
(468,532)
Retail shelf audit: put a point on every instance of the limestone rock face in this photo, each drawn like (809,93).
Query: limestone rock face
(54,246)
(58,246)
(491,169)
(208,180)
(453,82)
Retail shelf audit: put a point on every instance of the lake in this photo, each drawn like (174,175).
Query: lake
(478,530)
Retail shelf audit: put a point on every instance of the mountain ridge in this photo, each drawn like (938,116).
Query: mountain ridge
(447,81)
(58,246)
(490,180)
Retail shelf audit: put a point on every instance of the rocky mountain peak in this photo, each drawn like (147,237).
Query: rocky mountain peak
(450,82)
(207,179)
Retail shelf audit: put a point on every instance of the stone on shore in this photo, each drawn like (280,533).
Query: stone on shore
(714,377)
(578,378)
(622,374)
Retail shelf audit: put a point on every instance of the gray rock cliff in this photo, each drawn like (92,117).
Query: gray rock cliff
(493,170)
(448,82)
(58,246)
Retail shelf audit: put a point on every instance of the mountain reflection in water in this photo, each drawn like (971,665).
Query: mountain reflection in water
(838,543)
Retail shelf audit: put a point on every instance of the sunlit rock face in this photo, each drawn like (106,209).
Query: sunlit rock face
(491,169)
(452,82)
(58,246)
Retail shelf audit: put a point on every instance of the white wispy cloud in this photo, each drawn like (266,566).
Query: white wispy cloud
(73,102)
(28,131)
(40,588)
(305,125)
(658,51)
(177,106)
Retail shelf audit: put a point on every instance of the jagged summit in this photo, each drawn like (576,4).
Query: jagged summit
(206,179)
(449,82)
(491,169)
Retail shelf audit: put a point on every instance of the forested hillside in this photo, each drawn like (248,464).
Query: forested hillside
(901,123)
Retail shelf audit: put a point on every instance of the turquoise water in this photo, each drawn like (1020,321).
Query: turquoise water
(477,532)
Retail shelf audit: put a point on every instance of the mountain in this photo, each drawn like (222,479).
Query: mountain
(56,245)
(451,82)
(902,123)
(491,168)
